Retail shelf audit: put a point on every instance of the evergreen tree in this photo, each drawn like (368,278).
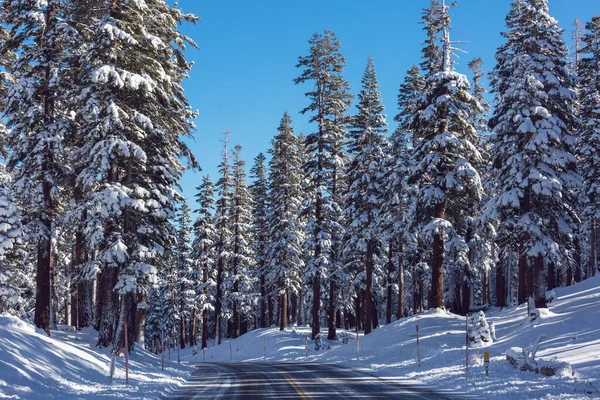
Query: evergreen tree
(204,254)
(329,100)
(284,256)
(239,285)
(589,135)
(12,273)
(366,148)
(222,235)
(260,230)
(37,125)
(132,117)
(186,292)
(445,176)
(533,146)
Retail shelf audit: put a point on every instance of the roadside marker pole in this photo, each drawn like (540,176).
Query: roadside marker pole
(162,344)
(126,355)
(265,356)
(467,346)
(418,355)
(486,362)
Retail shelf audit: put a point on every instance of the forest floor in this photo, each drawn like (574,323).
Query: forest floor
(33,365)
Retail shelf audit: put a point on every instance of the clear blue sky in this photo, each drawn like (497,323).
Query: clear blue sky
(243,72)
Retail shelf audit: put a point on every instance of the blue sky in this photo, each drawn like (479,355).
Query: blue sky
(243,72)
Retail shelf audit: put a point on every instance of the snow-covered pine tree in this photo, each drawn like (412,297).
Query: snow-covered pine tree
(186,290)
(398,194)
(132,117)
(204,254)
(38,34)
(284,256)
(11,249)
(239,285)
(588,71)
(260,230)
(222,235)
(365,187)
(533,146)
(329,100)
(445,176)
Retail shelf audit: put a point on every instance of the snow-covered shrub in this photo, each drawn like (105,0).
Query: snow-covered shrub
(320,343)
(343,337)
(479,330)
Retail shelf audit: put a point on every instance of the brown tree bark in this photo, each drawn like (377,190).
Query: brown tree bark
(369,287)
(283,311)
(500,284)
(331,321)
(263,302)
(390,271)
(551,275)
(538,282)
(437,261)
(400,310)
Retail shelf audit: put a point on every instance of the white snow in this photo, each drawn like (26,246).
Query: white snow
(69,366)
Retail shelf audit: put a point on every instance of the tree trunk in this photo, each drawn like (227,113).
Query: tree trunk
(539,282)
(300,316)
(500,284)
(294,314)
(331,317)
(204,328)
(437,261)
(316,323)
(466,293)
(390,271)
(374,313)
(218,300)
(263,302)
(270,309)
(522,294)
(400,311)
(593,256)
(109,305)
(359,311)
(369,287)
(551,275)
(283,311)
(485,293)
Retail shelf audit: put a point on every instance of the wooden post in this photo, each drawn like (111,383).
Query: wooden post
(486,362)
(126,355)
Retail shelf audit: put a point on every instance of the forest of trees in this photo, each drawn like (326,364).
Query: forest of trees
(464,205)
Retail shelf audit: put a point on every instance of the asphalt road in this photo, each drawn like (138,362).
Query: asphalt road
(295,381)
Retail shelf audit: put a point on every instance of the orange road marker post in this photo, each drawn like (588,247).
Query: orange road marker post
(486,362)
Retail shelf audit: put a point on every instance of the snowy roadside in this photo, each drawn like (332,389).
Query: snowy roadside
(66,366)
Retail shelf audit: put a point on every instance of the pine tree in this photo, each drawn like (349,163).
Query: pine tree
(186,292)
(38,35)
(260,229)
(239,285)
(533,146)
(284,257)
(446,177)
(329,100)
(223,234)
(132,118)
(366,147)
(11,249)
(589,135)
(204,254)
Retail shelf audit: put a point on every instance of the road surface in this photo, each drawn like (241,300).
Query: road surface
(295,381)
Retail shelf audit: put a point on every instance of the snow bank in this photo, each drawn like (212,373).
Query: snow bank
(67,365)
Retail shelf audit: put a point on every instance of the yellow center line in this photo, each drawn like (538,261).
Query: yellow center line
(297,388)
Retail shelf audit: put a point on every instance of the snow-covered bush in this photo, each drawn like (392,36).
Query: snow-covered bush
(343,337)
(479,330)
(320,344)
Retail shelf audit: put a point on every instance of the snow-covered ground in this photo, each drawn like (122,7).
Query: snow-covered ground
(32,365)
